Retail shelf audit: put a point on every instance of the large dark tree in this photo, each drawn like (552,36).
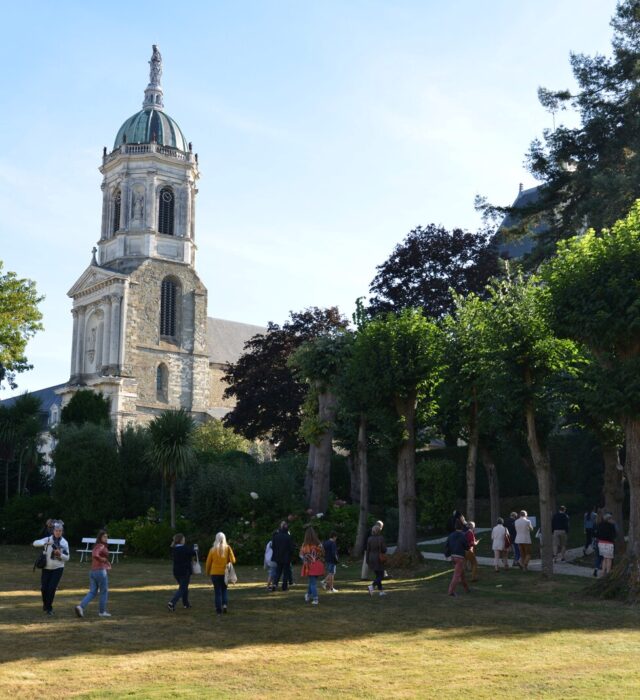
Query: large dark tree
(427,265)
(268,396)
(87,406)
(590,174)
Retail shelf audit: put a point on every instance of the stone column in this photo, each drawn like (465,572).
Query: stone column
(114,344)
(79,355)
(105,212)
(106,335)
(152,205)
(74,342)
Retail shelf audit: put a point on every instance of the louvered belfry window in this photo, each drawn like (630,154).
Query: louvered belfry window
(115,224)
(168,300)
(165,211)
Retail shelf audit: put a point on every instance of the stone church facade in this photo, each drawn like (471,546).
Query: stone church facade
(141,334)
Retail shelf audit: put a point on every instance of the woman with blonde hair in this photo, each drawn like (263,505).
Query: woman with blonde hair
(312,555)
(219,556)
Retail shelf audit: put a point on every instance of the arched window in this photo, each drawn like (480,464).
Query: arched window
(162,383)
(169,295)
(165,211)
(115,223)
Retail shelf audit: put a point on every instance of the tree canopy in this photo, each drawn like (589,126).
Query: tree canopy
(590,174)
(430,262)
(19,321)
(268,395)
(87,406)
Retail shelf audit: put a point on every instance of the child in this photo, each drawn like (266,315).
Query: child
(270,566)
(183,555)
(331,561)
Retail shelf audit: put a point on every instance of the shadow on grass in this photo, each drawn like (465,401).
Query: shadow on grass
(509,604)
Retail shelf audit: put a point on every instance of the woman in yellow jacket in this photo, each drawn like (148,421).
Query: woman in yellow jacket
(217,559)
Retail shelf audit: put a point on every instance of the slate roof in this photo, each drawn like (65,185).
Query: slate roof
(226,339)
(48,398)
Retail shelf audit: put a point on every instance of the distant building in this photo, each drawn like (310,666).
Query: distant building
(141,334)
(517,247)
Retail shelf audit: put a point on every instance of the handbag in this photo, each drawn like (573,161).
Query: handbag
(230,574)
(41,561)
(195,565)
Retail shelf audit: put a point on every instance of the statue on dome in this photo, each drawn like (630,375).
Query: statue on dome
(156,66)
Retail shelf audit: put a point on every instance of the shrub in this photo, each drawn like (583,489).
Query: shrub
(151,540)
(23,517)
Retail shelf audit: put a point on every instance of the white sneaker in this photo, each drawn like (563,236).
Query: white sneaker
(333,590)
(383,593)
(306,598)
(370,589)
(79,611)
(104,614)
(314,601)
(324,585)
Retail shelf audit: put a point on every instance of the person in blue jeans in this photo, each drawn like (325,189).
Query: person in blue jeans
(98,577)
(182,554)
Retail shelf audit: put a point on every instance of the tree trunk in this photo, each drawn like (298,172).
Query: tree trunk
(172,500)
(632,469)
(407,540)
(472,461)
(613,492)
(494,486)
(542,466)
(319,499)
(363,473)
(308,477)
(19,474)
(6,481)
(354,477)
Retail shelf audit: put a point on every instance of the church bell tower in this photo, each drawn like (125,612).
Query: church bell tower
(140,309)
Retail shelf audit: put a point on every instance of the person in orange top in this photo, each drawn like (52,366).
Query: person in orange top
(219,556)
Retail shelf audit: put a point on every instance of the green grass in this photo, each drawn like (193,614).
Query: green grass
(515,634)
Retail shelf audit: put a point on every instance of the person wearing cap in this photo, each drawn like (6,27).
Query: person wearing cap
(56,549)
(560,532)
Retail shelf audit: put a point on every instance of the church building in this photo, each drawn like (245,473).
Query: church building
(141,333)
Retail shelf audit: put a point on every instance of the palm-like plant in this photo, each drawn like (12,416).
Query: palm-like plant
(171,451)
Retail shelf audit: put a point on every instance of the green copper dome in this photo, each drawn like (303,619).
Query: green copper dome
(151,126)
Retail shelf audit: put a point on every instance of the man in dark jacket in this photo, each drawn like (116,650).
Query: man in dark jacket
(560,531)
(283,549)
(457,546)
(510,524)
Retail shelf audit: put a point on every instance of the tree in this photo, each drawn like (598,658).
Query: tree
(528,357)
(19,321)
(403,356)
(19,440)
(320,362)
(268,396)
(427,265)
(213,436)
(89,484)
(87,406)
(590,174)
(171,451)
(594,295)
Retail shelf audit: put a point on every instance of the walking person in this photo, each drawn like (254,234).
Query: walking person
(560,533)
(270,566)
(56,550)
(499,544)
(283,549)
(98,576)
(524,528)
(183,555)
(312,555)
(456,548)
(219,556)
(510,524)
(470,554)
(606,534)
(376,558)
(331,560)
(590,522)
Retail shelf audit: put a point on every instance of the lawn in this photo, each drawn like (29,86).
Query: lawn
(515,634)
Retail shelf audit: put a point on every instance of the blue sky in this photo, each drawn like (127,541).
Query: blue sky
(325,132)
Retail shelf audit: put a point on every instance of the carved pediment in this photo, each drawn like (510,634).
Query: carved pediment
(92,279)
